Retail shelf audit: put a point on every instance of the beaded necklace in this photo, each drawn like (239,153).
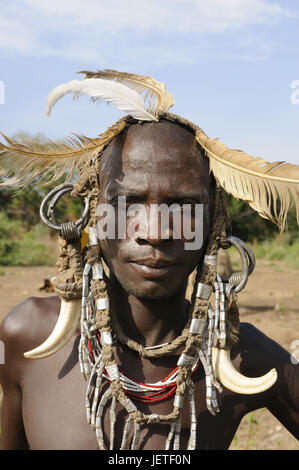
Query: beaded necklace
(161,390)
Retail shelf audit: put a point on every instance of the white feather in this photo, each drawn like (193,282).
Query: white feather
(124,98)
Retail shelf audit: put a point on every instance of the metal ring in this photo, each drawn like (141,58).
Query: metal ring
(248,264)
(48,217)
(54,201)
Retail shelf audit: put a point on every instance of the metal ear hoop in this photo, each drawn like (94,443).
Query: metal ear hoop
(68,230)
(235,282)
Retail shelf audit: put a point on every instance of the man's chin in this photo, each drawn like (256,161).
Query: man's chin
(151,290)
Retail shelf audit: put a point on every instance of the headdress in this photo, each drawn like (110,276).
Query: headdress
(270,188)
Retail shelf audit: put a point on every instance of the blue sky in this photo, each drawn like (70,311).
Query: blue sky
(229,64)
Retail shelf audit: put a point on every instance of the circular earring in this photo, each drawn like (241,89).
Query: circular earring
(68,230)
(236,281)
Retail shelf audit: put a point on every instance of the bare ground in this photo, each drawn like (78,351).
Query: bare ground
(270,302)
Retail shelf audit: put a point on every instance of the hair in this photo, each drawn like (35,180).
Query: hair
(72,260)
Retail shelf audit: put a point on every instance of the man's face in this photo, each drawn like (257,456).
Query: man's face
(153,164)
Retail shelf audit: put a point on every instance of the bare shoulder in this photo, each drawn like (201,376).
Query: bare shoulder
(258,351)
(29,322)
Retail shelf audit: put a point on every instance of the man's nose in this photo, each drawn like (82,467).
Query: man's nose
(152,240)
(154,229)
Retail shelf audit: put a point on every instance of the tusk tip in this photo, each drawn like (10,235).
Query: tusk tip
(273,373)
(34,355)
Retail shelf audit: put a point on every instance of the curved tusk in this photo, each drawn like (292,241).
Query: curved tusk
(236,382)
(67,323)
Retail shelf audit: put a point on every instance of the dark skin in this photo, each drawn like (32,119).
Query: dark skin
(44,400)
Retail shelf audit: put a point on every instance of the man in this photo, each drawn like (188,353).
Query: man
(44,400)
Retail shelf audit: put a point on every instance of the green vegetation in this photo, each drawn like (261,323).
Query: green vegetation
(284,248)
(263,236)
(24,240)
(250,227)
(21,248)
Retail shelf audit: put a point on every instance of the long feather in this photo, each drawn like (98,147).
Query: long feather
(154,92)
(270,188)
(22,160)
(124,98)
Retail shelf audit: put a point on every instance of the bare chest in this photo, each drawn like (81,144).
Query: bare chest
(54,412)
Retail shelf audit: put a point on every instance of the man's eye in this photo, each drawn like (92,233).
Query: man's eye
(191,202)
(114,201)
(128,201)
(134,199)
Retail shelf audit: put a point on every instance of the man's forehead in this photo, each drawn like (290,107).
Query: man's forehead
(154,155)
(155,146)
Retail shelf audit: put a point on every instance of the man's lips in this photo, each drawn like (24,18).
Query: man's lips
(154,262)
(153,267)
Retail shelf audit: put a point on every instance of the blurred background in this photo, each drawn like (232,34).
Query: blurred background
(232,66)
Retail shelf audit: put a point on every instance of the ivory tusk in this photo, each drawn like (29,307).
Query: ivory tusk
(67,323)
(236,382)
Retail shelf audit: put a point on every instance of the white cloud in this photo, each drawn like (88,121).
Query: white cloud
(15,37)
(89,29)
(167,15)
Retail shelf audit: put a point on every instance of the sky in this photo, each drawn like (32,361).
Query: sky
(230,65)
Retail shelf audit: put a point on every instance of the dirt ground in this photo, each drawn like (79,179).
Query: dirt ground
(270,302)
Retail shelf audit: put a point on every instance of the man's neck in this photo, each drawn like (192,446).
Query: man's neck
(150,322)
